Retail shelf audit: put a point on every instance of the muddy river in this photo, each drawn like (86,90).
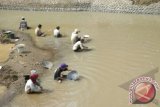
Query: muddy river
(124,46)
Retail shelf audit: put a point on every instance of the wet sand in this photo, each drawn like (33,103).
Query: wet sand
(20,64)
(124,46)
(2,89)
(5,50)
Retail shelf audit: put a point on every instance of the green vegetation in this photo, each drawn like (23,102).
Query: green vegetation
(4,38)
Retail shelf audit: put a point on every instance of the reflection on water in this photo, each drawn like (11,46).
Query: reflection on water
(123,47)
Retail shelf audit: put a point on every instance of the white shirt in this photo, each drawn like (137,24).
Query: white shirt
(74,37)
(31,86)
(56,32)
(37,31)
(76,45)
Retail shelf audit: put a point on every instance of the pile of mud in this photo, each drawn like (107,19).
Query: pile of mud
(8,75)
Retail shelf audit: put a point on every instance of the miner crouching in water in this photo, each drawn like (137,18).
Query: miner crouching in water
(58,72)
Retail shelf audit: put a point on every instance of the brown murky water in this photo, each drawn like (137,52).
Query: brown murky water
(123,46)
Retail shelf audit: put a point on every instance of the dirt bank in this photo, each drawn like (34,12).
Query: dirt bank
(111,6)
(51,2)
(20,64)
(5,50)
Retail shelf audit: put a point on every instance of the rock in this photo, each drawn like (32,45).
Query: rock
(47,64)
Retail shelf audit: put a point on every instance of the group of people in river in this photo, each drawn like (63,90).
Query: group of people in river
(32,83)
(76,40)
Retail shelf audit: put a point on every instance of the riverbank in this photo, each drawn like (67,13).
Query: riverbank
(110,6)
(20,64)
(124,46)
(5,51)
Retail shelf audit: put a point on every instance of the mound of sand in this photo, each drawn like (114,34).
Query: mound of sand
(20,64)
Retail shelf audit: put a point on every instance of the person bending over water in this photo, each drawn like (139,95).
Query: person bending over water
(33,85)
(58,72)
(38,31)
(56,32)
(75,37)
(78,46)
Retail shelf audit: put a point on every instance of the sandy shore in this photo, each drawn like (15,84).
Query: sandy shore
(5,50)
(18,65)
